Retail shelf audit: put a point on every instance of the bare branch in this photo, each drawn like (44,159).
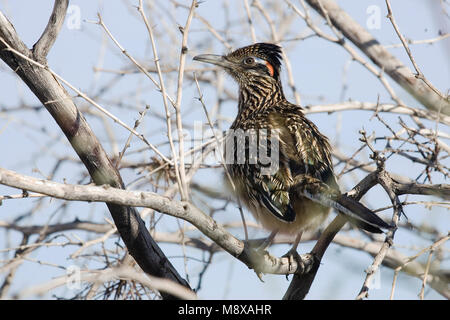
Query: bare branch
(261,262)
(42,47)
(381,107)
(419,74)
(109,274)
(380,56)
(56,100)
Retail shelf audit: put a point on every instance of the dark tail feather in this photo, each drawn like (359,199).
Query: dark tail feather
(356,213)
(360,215)
(363,225)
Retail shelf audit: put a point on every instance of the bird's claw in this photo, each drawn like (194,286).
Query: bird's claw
(259,275)
(292,256)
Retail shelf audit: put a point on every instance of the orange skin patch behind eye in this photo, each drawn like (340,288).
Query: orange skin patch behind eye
(270,67)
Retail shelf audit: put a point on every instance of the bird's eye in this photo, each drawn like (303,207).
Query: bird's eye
(249,61)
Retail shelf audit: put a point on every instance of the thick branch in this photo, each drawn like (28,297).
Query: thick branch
(263,263)
(301,283)
(42,47)
(438,190)
(60,105)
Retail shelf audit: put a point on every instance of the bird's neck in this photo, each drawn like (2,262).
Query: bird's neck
(257,95)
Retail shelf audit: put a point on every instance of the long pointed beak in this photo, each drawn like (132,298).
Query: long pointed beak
(214,59)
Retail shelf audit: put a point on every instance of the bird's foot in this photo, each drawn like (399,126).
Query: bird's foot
(260,257)
(262,253)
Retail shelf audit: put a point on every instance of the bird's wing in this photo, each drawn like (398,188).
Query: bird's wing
(296,157)
(273,193)
(307,153)
(258,183)
(305,149)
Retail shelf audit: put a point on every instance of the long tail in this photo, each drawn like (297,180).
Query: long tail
(361,216)
(356,213)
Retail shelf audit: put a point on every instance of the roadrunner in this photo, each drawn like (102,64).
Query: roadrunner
(299,194)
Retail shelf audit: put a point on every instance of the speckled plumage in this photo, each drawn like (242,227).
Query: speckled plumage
(299,194)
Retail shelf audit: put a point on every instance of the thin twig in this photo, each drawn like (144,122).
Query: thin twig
(84,96)
(165,98)
(419,74)
(184,50)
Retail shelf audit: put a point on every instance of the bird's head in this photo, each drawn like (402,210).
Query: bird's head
(260,61)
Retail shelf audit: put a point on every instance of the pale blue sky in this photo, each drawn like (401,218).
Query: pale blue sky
(318,72)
